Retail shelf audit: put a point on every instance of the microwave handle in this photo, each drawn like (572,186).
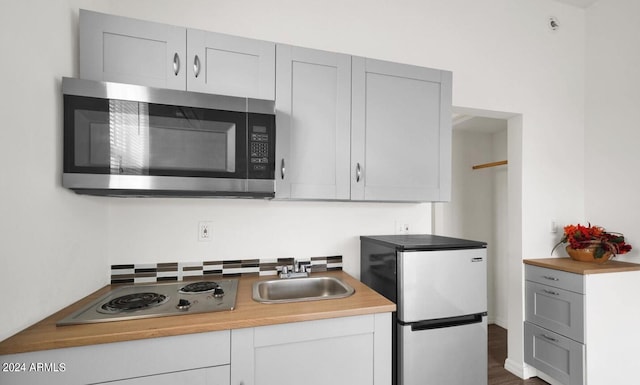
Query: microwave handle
(282,168)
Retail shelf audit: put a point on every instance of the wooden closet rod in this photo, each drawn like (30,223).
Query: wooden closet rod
(492,164)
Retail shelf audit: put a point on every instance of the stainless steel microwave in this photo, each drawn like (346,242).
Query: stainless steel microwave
(129,140)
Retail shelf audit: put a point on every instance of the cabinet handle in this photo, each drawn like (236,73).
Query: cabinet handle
(358,172)
(546,337)
(550,278)
(176,64)
(196,66)
(282,168)
(550,292)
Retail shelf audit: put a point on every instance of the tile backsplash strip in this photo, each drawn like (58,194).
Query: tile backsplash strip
(179,271)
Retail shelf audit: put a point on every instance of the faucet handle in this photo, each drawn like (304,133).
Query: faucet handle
(284,269)
(305,266)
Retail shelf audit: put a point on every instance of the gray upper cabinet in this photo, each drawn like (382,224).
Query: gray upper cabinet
(401,132)
(348,128)
(122,50)
(230,65)
(313,103)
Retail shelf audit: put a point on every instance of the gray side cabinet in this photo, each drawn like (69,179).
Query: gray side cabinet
(313,120)
(554,323)
(401,132)
(124,50)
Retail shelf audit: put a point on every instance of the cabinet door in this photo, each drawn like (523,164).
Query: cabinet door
(557,356)
(313,122)
(230,65)
(123,50)
(218,375)
(401,132)
(561,311)
(338,351)
(133,361)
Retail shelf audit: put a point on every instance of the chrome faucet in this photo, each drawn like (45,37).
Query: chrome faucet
(299,269)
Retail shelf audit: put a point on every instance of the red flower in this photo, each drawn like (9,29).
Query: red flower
(581,237)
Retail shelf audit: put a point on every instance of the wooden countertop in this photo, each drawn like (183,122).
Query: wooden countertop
(583,268)
(248,313)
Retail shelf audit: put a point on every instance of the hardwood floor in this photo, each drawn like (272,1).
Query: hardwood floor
(498,375)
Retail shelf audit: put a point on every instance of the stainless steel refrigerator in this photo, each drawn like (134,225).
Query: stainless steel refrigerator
(439,285)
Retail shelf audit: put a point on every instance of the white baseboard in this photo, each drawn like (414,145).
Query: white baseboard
(550,380)
(500,322)
(525,371)
(520,369)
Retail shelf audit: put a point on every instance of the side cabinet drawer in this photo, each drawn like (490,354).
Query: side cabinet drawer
(556,278)
(555,309)
(553,354)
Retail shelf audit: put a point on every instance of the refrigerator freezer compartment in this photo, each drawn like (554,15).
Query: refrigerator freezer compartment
(445,356)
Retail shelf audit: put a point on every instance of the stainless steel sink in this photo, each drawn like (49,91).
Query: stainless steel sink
(300,289)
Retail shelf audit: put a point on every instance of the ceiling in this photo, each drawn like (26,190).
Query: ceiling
(478,124)
(578,3)
(484,125)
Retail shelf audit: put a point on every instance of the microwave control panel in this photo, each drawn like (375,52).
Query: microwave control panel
(261,150)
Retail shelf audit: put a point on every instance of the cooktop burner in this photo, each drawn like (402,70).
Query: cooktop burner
(132,302)
(199,287)
(157,300)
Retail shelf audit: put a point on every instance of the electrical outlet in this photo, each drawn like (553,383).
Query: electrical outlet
(401,227)
(204,231)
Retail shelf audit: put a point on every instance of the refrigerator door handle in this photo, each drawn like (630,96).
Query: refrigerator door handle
(447,322)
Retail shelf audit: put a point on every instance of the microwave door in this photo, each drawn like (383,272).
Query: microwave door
(133,138)
(186,141)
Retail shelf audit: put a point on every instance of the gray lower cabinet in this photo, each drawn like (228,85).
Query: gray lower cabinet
(554,323)
(218,375)
(339,351)
(580,329)
(314,124)
(401,132)
(124,50)
(554,354)
(352,350)
(200,359)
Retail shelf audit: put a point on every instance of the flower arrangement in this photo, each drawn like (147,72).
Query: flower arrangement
(594,237)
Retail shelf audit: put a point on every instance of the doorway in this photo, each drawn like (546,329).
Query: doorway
(478,208)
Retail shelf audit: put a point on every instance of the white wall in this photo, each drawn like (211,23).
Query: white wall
(478,208)
(165,230)
(503,56)
(52,243)
(613,115)
(500,230)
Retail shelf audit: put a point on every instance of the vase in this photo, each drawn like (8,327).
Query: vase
(587,254)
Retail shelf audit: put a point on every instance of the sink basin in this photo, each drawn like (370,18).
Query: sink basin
(300,289)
